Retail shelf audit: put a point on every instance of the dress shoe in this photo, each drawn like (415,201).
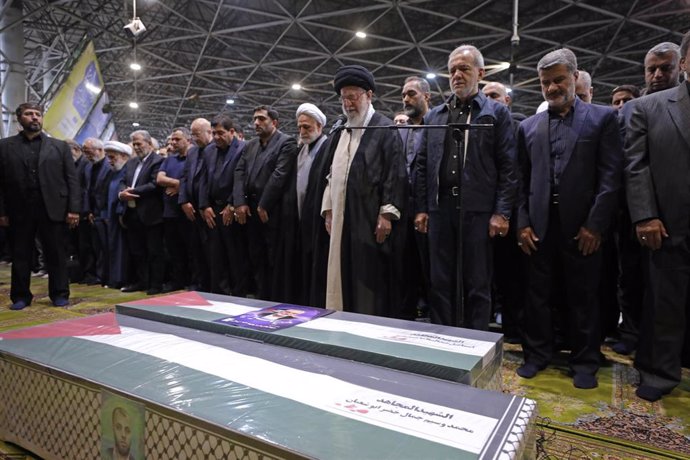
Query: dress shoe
(19,305)
(91,281)
(132,288)
(60,302)
(528,370)
(650,394)
(623,348)
(154,291)
(584,381)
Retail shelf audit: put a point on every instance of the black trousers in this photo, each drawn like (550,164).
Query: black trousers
(23,230)
(664,316)
(178,243)
(228,258)
(631,279)
(476,267)
(146,251)
(581,281)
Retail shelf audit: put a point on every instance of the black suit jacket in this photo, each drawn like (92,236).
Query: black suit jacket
(224,187)
(150,202)
(264,173)
(57,177)
(191,175)
(99,191)
(657,155)
(591,177)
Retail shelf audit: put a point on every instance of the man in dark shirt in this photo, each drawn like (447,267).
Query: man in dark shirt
(570,168)
(94,209)
(39,194)
(177,228)
(465,192)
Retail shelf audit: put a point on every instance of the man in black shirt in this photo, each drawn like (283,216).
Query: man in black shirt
(39,194)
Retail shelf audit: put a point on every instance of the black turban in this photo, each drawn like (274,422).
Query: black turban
(353,75)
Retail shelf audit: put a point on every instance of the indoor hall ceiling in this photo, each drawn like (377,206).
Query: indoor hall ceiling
(196,54)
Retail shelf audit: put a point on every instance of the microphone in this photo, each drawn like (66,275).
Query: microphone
(338,125)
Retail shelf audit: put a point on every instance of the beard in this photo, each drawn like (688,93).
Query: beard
(32,127)
(413,111)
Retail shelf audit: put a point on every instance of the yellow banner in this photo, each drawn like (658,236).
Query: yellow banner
(75,98)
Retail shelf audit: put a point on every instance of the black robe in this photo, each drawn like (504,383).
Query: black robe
(377,176)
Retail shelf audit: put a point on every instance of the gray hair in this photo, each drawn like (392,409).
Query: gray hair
(585,78)
(560,56)
(95,142)
(665,48)
(143,133)
(478,58)
(421,82)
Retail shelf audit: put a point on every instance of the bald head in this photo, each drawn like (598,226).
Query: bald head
(498,92)
(202,134)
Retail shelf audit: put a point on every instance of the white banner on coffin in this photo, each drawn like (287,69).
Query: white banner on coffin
(432,422)
(373,331)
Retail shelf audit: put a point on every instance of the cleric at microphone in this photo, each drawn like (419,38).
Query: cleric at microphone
(39,194)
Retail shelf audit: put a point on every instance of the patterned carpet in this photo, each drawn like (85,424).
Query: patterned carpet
(608,423)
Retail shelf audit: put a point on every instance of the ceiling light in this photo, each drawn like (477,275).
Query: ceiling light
(135,124)
(229,101)
(135,66)
(360,34)
(430,76)
(296,86)
(133,105)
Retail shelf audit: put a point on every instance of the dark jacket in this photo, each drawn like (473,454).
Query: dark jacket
(489,180)
(149,205)
(57,176)
(657,157)
(591,177)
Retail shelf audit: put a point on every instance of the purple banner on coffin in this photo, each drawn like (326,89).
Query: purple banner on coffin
(276,317)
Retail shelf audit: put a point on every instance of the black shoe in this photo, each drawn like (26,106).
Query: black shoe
(60,302)
(19,305)
(132,288)
(529,370)
(623,348)
(90,280)
(650,394)
(585,381)
(154,291)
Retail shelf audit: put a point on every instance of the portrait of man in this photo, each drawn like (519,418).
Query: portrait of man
(122,428)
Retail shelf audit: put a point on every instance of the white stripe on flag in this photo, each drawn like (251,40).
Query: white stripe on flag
(443,425)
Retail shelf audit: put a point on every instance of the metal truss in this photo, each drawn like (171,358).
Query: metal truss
(198,54)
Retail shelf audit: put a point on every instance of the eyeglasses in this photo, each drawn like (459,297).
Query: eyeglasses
(351,97)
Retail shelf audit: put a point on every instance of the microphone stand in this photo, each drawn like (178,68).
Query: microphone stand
(458,134)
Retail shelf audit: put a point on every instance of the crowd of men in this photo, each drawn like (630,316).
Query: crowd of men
(558,222)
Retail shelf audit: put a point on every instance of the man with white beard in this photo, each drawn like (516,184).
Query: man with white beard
(301,207)
(118,154)
(363,201)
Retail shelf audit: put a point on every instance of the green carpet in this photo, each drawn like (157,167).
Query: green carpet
(608,423)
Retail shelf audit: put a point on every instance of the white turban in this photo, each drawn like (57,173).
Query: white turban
(119,147)
(312,111)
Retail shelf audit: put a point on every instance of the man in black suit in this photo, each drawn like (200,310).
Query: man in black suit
(95,207)
(657,156)
(261,179)
(188,200)
(571,165)
(225,243)
(143,217)
(39,194)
